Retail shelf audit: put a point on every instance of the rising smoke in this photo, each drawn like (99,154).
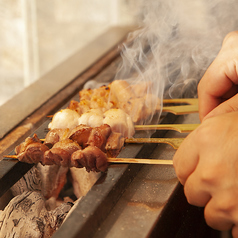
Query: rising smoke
(176,42)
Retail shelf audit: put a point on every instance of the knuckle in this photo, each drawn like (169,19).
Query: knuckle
(216,219)
(180,175)
(202,133)
(187,194)
(230,37)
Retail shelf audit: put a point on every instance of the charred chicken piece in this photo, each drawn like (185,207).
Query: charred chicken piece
(55,135)
(29,140)
(31,151)
(114,144)
(98,136)
(92,158)
(80,134)
(85,147)
(119,121)
(60,153)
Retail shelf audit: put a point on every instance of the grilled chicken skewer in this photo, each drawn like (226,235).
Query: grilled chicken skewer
(139,161)
(182,128)
(123,160)
(174,142)
(191,107)
(81,147)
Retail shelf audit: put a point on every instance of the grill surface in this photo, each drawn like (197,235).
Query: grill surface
(129,200)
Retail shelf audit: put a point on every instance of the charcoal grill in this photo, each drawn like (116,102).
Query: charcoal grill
(130,200)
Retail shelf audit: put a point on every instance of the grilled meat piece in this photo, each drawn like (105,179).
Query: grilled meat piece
(119,122)
(80,134)
(92,158)
(60,153)
(29,140)
(33,153)
(98,136)
(142,88)
(92,118)
(95,98)
(65,118)
(121,91)
(76,150)
(114,144)
(55,135)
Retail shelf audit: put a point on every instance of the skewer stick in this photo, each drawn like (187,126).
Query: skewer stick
(124,160)
(190,101)
(180,110)
(182,128)
(140,161)
(10,156)
(174,142)
(177,110)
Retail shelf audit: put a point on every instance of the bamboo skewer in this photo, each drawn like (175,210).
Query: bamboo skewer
(124,160)
(174,142)
(180,110)
(140,161)
(192,106)
(10,156)
(190,101)
(182,128)
(176,110)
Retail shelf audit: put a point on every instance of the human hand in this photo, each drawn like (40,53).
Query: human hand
(217,90)
(207,165)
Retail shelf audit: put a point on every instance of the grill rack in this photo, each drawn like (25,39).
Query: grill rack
(97,214)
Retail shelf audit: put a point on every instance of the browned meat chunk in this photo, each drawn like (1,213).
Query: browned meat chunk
(121,91)
(98,136)
(92,158)
(33,153)
(55,135)
(68,152)
(114,144)
(80,134)
(29,140)
(60,153)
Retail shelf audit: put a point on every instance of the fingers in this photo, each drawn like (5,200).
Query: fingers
(185,159)
(219,211)
(221,78)
(217,219)
(211,89)
(235,231)
(195,191)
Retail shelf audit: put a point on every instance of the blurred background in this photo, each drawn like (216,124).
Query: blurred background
(35,36)
(183,37)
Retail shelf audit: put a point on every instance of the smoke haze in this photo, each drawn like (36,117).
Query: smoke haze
(176,42)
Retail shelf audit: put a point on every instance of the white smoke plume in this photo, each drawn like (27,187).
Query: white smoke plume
(176,42)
